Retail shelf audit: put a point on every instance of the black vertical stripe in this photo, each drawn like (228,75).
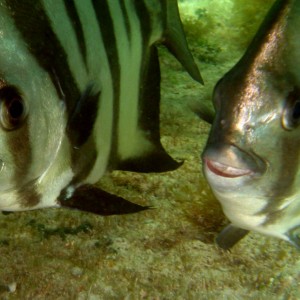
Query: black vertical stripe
(149,102)
(284,183)
(79,128)
(76,23)
(28,195)
(32,22)
(106,27)
(145,21)
(81,121)
(34,27)
(164,8)
(19,145)
(126,19)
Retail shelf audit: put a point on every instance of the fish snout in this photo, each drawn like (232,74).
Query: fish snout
(231,162)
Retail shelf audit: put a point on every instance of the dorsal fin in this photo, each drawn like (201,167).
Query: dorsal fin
(175,41)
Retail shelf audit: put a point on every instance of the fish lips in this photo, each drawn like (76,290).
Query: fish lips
(224,170)
(229,161)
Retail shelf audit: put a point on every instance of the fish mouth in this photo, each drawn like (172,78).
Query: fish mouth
(229,161)
(225,170)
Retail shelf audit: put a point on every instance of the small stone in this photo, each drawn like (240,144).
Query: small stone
(12,287)
(76,271)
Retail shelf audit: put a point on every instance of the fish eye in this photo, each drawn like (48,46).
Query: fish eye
(12,108)
(291,112)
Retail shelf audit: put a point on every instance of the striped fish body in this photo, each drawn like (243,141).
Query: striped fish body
(252,156)
(79,91)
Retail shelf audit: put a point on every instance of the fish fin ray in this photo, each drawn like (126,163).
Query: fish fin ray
(92,199)
(229,236)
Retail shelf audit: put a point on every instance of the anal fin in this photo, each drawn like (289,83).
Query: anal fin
(91,199)
(229,236)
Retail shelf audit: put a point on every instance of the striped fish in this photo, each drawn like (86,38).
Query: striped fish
(79,95)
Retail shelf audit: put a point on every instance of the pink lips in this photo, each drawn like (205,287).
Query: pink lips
(225,170)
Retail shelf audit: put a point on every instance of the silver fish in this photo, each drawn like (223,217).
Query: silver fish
(79,95)
(252,156)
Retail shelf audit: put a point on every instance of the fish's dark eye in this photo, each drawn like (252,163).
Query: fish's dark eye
(291,112)
(12,108)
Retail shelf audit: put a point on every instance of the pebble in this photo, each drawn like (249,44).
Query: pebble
(76,271)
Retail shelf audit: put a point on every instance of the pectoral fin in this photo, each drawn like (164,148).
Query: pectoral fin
(229,236)
(91,199)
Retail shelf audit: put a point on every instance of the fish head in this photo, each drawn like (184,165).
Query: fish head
(31,131)
(252,157)
(32,119)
